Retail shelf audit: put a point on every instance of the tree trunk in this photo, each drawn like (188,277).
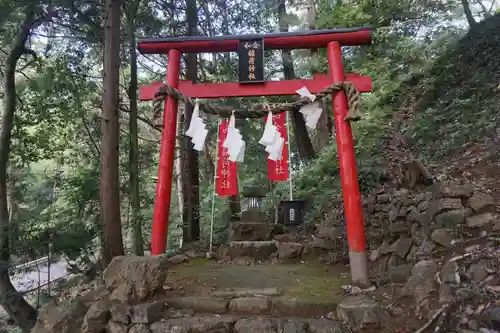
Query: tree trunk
(323,130)
(468,13)
(179,164)
(23,314)
(135,199)
(303,141)
(110,185)
(191,218)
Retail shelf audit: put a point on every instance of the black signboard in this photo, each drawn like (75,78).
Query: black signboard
(251,60)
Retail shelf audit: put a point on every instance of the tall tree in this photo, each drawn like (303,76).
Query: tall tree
(468,13)
(135,199)
(302,138)
(110,185)
(191,207)
(14,304)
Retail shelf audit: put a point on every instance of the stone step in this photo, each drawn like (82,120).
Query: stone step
(255,231)
(258,250)
(256,305)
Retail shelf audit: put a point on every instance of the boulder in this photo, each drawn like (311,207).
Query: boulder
(139,328)
(253,325)
(259,250)
(200,304)
(331,233)
(445,204)
(61,318)
(481,203)
(114,327)
(147,313)
(253,231)
(451,190)
(250,305)
(422,280)
(451,218)
(362,312)
(401,247)
(197,324)
(132,279)
(442,237)
(289,250)
(477,271)
(479,221)
(97,317)
(449,273)
(326,326)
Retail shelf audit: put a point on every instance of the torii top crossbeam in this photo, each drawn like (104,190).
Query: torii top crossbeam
(273,41)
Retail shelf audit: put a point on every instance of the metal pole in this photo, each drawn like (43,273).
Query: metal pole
(360,273)
(167,152)
(290,182)
(213,194)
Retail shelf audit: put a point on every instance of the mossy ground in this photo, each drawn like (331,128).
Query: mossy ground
(301,280)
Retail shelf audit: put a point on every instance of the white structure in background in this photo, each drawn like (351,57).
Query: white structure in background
(311,111)
(197,129)
(234,142)
(271,138)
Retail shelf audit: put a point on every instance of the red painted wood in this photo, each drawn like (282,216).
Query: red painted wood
(268,88)
(166,167)
(360,37)
(347,160)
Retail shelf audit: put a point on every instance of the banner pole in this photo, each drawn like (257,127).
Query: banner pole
(289,156)
(215,187)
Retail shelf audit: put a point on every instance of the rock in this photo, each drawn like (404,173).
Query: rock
(120,313)
(133,279)
(446,293)
(302,307)
(478,271)
(147,313)
(413,215)
(442,237)
(178,313)
(325,326)
(61,318)
(361,312)
(199,304)
(253,325)
(493,315)
(325,244)
(449,273)
(293,326)
(451,190)
(139,328)
(286,238)
(479,221)
(398,228)
(328,233)
(114,327)
(421,282)
(374,255)
(198,324)
(178,259)
(252,231)
(259,250)
(482,203)
(383,198)
(441,205)
(451,218)
(394,211)
(97,317)
(400,274)
(289,250)
(248,292)
(423,206)
(401,247)
(250,305)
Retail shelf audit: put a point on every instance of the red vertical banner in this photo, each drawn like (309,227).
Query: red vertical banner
(226,183)
(278,170)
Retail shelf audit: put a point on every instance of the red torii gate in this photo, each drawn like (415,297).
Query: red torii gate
(332,40)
